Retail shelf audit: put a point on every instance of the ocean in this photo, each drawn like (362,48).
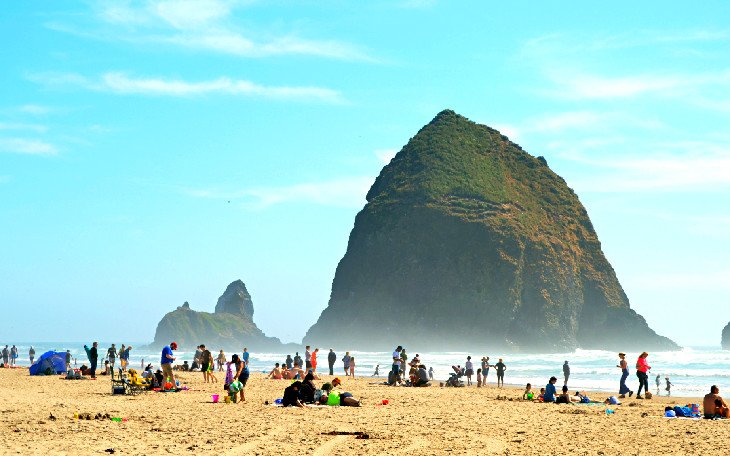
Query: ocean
(691,370)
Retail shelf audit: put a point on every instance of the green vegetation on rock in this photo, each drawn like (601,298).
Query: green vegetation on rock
(231,326)
(467,240)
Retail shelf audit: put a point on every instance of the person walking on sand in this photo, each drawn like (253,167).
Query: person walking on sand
(242,373)
(352,366)
(111,355)
(642,369)
(566,372)
(124,357)
(669,386)
(166,363)
(31,354)
(331,359)
(624,366)
(469,370)
(377,371)
(500,373)
(346,363)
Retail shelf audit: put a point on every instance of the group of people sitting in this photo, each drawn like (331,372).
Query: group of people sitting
(282,372)
(304,392)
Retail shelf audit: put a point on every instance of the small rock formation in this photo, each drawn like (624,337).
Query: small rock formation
(726,337)
(230,326)
(468,241)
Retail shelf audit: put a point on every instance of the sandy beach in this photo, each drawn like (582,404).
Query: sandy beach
(420,421)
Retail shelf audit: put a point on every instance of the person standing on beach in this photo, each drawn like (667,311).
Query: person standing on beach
(658,381)
(289,362)
(331,359)
(242,374)
(307,359)
(314,360)
(346,363)
(206,359)
(166,363)
(403,360)
(6,356)
(669,386)
(396,361)
(642,369)
(93,358)
(221,360)
(624,366)
(469,371)
(485,369)
(297,359)
(352,366)
(111,355)
(500,373)
(566,372)
(31,354)
(124,357)
(68,359)
(13,355)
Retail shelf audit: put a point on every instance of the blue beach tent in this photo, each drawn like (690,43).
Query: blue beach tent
(55,361)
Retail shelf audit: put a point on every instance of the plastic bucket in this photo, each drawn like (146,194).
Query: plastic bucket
(215,398)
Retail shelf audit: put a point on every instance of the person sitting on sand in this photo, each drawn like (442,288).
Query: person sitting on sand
(541,396)
(528,394)
(714,405)
(275,373)
(291,395)
(285,373)
(297,372)
(307,389)
(421,377)
(549,395)
(566,398)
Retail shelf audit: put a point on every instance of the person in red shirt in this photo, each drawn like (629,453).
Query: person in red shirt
(642,371)
(314,359)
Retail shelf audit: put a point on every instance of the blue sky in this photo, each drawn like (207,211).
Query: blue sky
(151,152)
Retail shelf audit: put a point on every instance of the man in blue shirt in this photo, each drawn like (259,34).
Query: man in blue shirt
(245,355)
(550,390)
(166,363)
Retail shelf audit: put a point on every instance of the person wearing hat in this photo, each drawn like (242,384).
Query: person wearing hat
(166,362)
(624,366)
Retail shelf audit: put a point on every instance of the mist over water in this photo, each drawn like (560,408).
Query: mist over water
(691,370)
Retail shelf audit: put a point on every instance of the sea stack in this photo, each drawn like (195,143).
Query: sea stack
(726,337)
(230,326)
(468,241)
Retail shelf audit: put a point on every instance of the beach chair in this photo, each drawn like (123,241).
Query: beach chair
(137,384)
(119,385)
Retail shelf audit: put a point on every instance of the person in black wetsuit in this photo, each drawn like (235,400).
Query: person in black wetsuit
(291,395)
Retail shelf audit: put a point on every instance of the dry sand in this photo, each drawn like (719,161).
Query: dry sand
(417,421)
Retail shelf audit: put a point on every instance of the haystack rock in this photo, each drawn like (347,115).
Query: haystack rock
(468,241)
(726,337)
(230,326)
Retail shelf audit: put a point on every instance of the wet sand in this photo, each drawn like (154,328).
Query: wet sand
(417,421)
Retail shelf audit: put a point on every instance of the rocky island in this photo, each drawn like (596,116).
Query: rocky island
(726,337)
(467,240)
(230,326)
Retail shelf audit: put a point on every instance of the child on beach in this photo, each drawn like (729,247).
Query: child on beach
(479,378)
(528,394)
(541,397)
(430,373)
(669,386)
(352,366)
(658,382)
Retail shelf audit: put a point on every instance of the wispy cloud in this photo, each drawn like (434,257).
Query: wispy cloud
(203,25)
(700,167)
(345,192)
(120,83)
(23,126)
(27,146)
(35,109)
